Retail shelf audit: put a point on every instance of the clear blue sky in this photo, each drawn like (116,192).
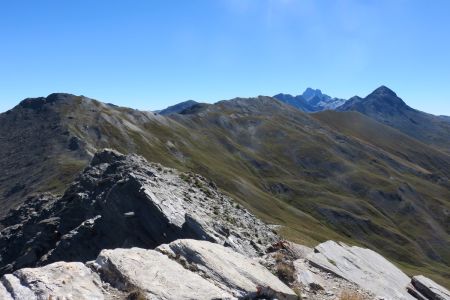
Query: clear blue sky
(150,54)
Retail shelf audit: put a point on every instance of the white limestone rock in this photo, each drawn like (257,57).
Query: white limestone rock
(307,278)
(430,289)
(154,276)
(364,267)
(233,272)
(60,280)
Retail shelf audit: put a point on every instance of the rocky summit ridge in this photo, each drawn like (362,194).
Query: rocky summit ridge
(124,201)
(130,229)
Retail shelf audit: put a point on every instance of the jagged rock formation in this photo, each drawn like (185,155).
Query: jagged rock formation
(362,266)
(124,201)
(148,274)
(428,289)
(227,269)
(153,275)
(71,280)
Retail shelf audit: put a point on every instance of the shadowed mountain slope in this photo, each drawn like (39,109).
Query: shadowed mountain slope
(177,108)
(386,107)
(316,180)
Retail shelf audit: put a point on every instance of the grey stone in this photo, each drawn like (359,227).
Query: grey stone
(153,275)
(305,277)
(56,281)
(123,201)
(233,272)
(4,294)
(430,289)
(364,267)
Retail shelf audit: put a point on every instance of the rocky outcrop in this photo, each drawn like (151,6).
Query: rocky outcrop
(429,288)
(69,280)
(240,276)
(124,201)
(200,270)
(153,275)
(289,261)
(364,267)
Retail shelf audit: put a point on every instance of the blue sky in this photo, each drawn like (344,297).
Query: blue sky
(150,54)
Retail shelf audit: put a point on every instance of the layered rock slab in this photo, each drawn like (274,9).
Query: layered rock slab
(430,289)
(239,275)
(152,275)
(364,267)
(60,280)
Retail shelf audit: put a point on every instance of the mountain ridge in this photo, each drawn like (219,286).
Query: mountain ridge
(386,107)
(312,100)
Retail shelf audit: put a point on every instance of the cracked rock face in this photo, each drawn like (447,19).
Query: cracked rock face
(71,280)
(240,276)
(364,267)
(428,289)
(150,274)
(123,201)
(153,276)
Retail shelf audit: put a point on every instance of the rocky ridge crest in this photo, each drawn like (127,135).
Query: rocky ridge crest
(124,201)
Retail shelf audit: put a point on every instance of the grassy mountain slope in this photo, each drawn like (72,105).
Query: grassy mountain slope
(288,167)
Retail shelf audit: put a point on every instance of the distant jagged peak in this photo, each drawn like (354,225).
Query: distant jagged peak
(311,93)
(312,100)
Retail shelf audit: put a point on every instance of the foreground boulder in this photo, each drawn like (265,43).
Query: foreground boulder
(152,275)
(184,269)
(69,280)
(123,201)
(429,289)
(233,272)
(364,267)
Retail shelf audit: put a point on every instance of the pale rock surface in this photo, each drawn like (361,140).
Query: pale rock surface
(233,272)
(4,294)
(154,276)
(364,267)
(310,282)
(307,278)
(430,289)
(60,280)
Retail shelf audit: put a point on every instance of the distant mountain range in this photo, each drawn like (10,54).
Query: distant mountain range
(312,100)
(374,172)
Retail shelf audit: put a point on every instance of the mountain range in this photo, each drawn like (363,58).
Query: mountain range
(312,100)
(373,172)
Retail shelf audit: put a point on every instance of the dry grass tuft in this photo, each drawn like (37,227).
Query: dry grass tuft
(286,272)
(350,295)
